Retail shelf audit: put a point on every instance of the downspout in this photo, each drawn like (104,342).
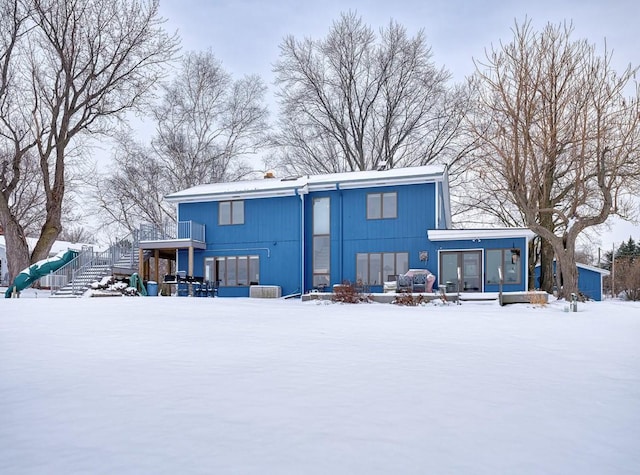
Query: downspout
(437,201)
(525,267)
(301,192)
(340,234)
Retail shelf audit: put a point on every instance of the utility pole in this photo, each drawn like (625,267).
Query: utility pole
(613,270)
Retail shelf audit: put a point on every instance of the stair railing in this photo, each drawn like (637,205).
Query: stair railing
(61,277)
(88,258)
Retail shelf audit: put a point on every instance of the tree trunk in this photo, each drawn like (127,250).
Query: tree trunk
(567,273)
(546,266)
(48,236)
(16,244)
(532,260)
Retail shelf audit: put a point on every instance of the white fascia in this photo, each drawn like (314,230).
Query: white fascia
(246,195)
(478,234)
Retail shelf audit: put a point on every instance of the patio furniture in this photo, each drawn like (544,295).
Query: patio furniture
(419,283)
(405,283)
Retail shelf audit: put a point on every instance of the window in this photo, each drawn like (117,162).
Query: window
(509,261)
(321,242)
(376,267)
(231,212)
(233,271)
(382,205)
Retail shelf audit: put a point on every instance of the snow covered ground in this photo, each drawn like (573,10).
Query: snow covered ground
(169,385)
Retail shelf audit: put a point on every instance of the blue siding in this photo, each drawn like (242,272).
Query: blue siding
(442,223)
(352,232)
(590,283)
(271,230)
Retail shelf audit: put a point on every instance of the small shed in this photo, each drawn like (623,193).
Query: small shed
(590,280)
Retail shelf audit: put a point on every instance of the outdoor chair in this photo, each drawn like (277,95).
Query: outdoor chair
(419,282)
(197,289)
(213,287)
(404,283)
(183,289)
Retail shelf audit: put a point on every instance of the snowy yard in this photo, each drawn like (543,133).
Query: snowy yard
(171,385)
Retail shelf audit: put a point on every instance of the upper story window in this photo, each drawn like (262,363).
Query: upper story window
(382,205)
(231,212)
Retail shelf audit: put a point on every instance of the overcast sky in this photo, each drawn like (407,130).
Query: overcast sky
(245,34)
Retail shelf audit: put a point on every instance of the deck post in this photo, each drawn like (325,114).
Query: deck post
(141,263)
(156,258)
(190,269)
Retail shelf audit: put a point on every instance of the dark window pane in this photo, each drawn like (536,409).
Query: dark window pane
(321,256)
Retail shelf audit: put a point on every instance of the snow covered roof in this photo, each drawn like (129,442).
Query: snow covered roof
(599,270)
(478,234)
(272,187)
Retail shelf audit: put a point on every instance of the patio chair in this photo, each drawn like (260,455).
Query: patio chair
(197,288)
(183,289)
(419,282)
(213,288)
(405,283)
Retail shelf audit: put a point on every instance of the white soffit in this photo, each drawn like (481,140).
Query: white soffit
(478,234)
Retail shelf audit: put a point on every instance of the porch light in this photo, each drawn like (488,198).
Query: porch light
(515,256)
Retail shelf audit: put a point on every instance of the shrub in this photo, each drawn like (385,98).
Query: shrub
(537,299)
(409,300)
(627,277)
(348,293)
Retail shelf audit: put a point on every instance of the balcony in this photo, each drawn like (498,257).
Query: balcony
(182,235)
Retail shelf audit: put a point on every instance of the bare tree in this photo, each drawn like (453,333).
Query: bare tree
(76,234)
(559,139)
(134,190)
(207,126)
(16,143)
(208,123)
(354,100)
(68,68)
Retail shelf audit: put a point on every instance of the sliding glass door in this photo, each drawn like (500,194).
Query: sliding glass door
(469,266)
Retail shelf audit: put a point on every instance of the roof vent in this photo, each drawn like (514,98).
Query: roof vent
(382,165)
(269,174)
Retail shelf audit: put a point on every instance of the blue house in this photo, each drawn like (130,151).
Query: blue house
(312,232)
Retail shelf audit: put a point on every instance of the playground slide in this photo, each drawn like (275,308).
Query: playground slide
(41,268)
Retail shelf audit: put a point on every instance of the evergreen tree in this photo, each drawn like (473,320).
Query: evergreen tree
(628,249)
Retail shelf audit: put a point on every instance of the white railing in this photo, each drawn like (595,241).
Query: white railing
(181,230)
(61,277)
(191,230)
